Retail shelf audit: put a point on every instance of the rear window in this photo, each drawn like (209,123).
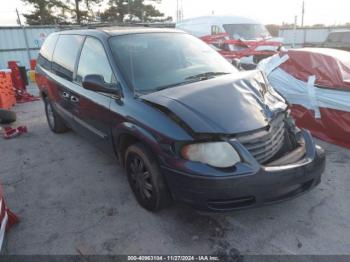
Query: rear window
(46,51)
(65,55)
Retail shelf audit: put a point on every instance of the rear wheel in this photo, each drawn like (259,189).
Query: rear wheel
(145,179)
(56,123)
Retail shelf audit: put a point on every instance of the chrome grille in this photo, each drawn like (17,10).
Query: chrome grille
(264,144)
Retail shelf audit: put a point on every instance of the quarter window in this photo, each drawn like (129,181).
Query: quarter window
(65,55)
(46,51)
(93,60)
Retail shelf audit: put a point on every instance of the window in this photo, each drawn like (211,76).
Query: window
(45,55)
(246,31)
(154,61)
(93,60)
(65,55)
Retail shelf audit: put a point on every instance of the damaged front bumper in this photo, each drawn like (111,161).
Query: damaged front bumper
(249,184)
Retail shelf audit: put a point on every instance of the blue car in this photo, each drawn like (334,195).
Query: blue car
(184,123)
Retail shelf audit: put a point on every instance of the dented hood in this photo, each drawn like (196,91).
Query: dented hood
(228,104)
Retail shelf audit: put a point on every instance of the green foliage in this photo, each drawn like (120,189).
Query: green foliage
(84,11)
(131,11)
(43,13)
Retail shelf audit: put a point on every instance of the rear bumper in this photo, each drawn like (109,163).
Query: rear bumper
(261,186)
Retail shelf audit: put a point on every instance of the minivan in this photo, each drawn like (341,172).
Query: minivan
(184,123)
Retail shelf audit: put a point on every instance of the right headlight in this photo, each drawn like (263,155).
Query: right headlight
(217,154)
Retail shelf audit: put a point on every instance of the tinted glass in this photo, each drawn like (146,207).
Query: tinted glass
(246,31)
(46,51)
(65,55)
(93,60)
(155,61)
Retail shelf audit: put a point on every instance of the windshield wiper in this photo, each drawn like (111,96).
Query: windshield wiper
(207,75)
(190,79)
(176,84)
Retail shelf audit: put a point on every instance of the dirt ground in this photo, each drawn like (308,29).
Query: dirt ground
(72,198)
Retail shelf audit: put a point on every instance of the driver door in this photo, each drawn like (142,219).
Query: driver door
(93,108)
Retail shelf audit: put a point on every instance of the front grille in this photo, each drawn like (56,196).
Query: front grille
(264,144)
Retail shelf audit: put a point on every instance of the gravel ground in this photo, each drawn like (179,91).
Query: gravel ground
(72,198)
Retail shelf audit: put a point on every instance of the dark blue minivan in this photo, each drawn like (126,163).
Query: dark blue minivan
(184,122)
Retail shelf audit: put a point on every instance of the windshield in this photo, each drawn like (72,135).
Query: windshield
(246,31)
(155,61)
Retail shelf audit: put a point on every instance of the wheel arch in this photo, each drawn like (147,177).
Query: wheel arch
(126,134)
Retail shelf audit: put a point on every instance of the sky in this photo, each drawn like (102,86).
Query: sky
(329,12)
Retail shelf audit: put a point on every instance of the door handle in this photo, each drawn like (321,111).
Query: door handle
(74,99)
(65,95)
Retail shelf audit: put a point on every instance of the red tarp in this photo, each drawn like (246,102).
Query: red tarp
(247,47)
(332,70)
(330,66)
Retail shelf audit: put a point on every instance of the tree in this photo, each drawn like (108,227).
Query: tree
(131,10)
(82,10)
(44,11)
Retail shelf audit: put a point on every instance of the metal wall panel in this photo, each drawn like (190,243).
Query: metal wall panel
(13,45)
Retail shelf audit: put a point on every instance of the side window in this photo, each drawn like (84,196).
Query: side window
(93,60)
(65,55)
(46,51)
(215,30)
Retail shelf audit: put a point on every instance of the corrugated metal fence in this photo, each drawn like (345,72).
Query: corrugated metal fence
(22,44)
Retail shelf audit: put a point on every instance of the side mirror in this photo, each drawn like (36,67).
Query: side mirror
(96,83)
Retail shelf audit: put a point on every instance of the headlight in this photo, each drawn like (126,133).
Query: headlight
(217,154)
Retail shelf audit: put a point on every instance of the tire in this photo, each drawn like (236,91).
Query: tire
(55,121)
(7,117)
(145,179)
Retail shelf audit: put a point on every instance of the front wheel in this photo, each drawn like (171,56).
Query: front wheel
(145,179)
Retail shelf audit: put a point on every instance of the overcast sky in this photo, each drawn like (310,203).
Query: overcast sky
(327,12)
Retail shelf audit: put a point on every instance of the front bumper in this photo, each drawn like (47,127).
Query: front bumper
(250,185)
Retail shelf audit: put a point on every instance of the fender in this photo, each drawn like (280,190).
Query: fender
(138,133)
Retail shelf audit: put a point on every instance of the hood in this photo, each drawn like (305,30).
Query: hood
(229,104)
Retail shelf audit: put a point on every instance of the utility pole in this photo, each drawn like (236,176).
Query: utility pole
(302,14)
(24,35)
(177,10)
(295,31)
